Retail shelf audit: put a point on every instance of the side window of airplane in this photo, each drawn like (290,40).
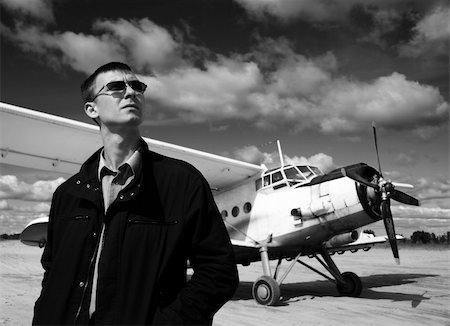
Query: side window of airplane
(235,211)
(224,214)
(258,184)
(266,180)
(247,207)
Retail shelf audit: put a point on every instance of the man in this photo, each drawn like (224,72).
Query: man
(121,231)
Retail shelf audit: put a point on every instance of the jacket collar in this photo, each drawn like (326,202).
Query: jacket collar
(89,169)
(86,182)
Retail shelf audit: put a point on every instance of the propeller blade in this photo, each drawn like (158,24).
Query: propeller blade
(358,178)
(390,230)
(376,146)
(401,197)
(403,185)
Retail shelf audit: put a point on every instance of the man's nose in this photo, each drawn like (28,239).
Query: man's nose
(129,91)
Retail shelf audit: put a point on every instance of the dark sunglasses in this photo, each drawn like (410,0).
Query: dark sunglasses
(120,86)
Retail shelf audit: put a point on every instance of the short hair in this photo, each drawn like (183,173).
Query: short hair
(87,85)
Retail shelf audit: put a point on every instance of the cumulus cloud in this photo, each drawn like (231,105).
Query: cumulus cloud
(15,221)
(139,42)
(270,87)
(217,92)
(252,154)
(392,101)
(422,212)
(304,96)
(149,45)
(12,188)
(82,52)
(4,205)
(434,192)
(40,9)
(407,159)
(431,35)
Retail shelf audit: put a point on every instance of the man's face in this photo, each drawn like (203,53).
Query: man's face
(124,108)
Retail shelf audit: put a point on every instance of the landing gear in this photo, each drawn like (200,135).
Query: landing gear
(266,291)
(351,286)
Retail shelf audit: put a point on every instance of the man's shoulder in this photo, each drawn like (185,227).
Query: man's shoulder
(68,184)
(173,166)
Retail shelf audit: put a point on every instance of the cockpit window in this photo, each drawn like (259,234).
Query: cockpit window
(316,170)
(277,176)
(306,172)
(293,174)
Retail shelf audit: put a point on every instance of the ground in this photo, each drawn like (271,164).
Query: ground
(417,292)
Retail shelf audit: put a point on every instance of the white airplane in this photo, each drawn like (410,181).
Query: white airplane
(282,213)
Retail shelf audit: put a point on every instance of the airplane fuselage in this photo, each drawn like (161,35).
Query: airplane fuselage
(296,217)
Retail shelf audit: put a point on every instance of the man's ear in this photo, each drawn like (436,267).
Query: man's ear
(91,110)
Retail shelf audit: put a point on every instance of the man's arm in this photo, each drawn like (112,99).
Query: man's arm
(46,259)
(211,256)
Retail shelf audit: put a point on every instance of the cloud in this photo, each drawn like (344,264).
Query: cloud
(15,222)
(430,35)
(321,160)
(385,27)
(24,207)
(434,192)
(148,45)
(40,9)
(217,92)
(81,52)
(252,154)
(407,159)
(422,212)
(4,205)
(304,97)
(140,42)
(12,188)
(286,10)
(270,87)
(392,101)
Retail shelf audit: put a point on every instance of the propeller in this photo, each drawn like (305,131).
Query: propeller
(386,190)
(374,128)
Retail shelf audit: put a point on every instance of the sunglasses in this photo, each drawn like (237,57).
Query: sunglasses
(121,86)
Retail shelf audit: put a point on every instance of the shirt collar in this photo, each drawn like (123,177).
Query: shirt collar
(134,161)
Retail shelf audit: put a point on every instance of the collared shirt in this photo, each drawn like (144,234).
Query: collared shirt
(112,183)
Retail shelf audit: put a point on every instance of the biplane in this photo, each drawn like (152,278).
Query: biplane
(286,213)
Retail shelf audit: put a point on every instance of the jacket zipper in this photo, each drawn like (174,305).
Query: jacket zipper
(92,261)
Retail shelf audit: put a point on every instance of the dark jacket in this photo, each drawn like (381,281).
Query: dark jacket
(157,223)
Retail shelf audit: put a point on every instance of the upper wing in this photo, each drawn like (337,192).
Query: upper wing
(46,142)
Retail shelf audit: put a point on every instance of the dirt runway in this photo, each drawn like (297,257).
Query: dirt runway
(417,292)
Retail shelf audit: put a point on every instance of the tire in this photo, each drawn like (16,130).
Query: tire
(266,291)
(352,286)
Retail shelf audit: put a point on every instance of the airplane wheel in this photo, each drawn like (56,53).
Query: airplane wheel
(352,286)
(266,291)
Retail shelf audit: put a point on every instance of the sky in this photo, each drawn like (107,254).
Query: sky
(232,76)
